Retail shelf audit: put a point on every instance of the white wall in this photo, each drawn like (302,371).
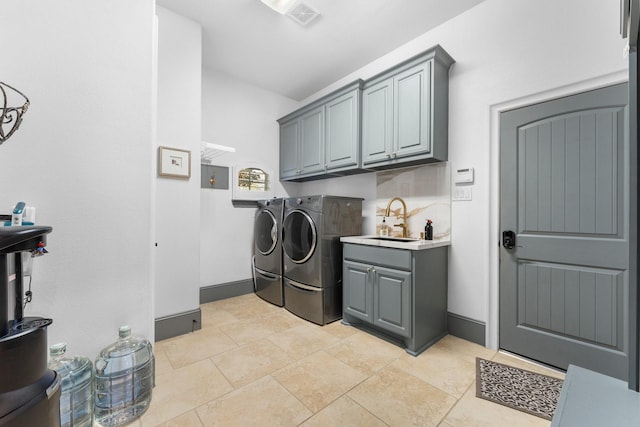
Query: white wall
(177,200)
(426,191)
(504,50)
(244,117)
(82,158)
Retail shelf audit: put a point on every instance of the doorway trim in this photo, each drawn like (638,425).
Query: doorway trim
(492,305)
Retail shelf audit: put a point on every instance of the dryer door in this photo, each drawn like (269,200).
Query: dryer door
(265,232)
(300,236)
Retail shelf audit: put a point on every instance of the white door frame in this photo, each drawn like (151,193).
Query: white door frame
(492,306)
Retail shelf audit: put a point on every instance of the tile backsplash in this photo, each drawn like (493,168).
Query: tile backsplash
(426,192)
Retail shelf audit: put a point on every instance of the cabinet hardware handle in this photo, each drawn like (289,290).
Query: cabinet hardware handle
(388,155)
(393,155)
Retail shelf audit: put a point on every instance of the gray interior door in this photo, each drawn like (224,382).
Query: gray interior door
(564,194)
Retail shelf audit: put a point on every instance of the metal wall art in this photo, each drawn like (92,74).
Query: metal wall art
(10,117)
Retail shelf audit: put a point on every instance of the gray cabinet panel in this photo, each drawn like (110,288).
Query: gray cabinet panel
(357,297)
(386,257)
(377,122)
(342,140)
(400,293)
(312,141)
(289,149)
(392,300)
(412,90)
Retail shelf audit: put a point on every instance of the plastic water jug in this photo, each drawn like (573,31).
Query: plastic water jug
(124,379)
(76,399)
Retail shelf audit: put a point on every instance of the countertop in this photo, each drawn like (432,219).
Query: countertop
(413,245)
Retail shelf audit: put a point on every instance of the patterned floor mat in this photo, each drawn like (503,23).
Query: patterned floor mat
(526,391)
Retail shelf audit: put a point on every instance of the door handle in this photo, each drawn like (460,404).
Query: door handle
(508,239)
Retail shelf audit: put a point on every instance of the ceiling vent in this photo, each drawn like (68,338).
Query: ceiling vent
(302,13)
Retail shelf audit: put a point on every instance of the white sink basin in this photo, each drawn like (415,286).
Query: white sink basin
(393,239)
(410,243)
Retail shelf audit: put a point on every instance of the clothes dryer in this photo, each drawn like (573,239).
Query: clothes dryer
(267,260)
(312,253)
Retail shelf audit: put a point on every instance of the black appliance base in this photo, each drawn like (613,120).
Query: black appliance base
(23,352)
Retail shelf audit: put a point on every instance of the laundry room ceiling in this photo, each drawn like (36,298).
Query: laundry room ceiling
(249,41)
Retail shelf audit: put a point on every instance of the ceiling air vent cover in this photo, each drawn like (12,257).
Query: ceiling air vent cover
(302,13)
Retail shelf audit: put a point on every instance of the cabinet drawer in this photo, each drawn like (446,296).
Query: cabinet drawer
(395,258)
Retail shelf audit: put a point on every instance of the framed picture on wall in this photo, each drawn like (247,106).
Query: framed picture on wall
(174,163)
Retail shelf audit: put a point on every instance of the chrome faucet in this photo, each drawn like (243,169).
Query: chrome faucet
(403,224)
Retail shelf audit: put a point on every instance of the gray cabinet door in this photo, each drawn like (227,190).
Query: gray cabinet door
(564,184)
(392,300)
(312,141)
(357,290)
(396,116)
(412,111)
(342,136)
(377,122)
(289,149)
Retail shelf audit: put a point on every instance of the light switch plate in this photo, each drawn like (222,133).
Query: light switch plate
(462,194)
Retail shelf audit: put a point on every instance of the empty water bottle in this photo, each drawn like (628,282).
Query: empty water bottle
(76,399)
(124,378)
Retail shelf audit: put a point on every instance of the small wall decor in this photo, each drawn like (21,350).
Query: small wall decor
(251,181)
(174,163)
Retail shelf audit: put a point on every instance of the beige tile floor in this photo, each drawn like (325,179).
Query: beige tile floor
(255,364)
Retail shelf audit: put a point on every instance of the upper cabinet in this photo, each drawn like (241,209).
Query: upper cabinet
(405,113)
(323,137)
(397,118)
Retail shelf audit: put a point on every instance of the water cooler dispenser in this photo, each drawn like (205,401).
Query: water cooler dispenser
(29,391)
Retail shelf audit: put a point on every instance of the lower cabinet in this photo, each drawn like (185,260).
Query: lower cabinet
(397,292)
(379,295)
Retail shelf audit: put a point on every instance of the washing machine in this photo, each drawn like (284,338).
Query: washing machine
(312,253)
(267,259)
